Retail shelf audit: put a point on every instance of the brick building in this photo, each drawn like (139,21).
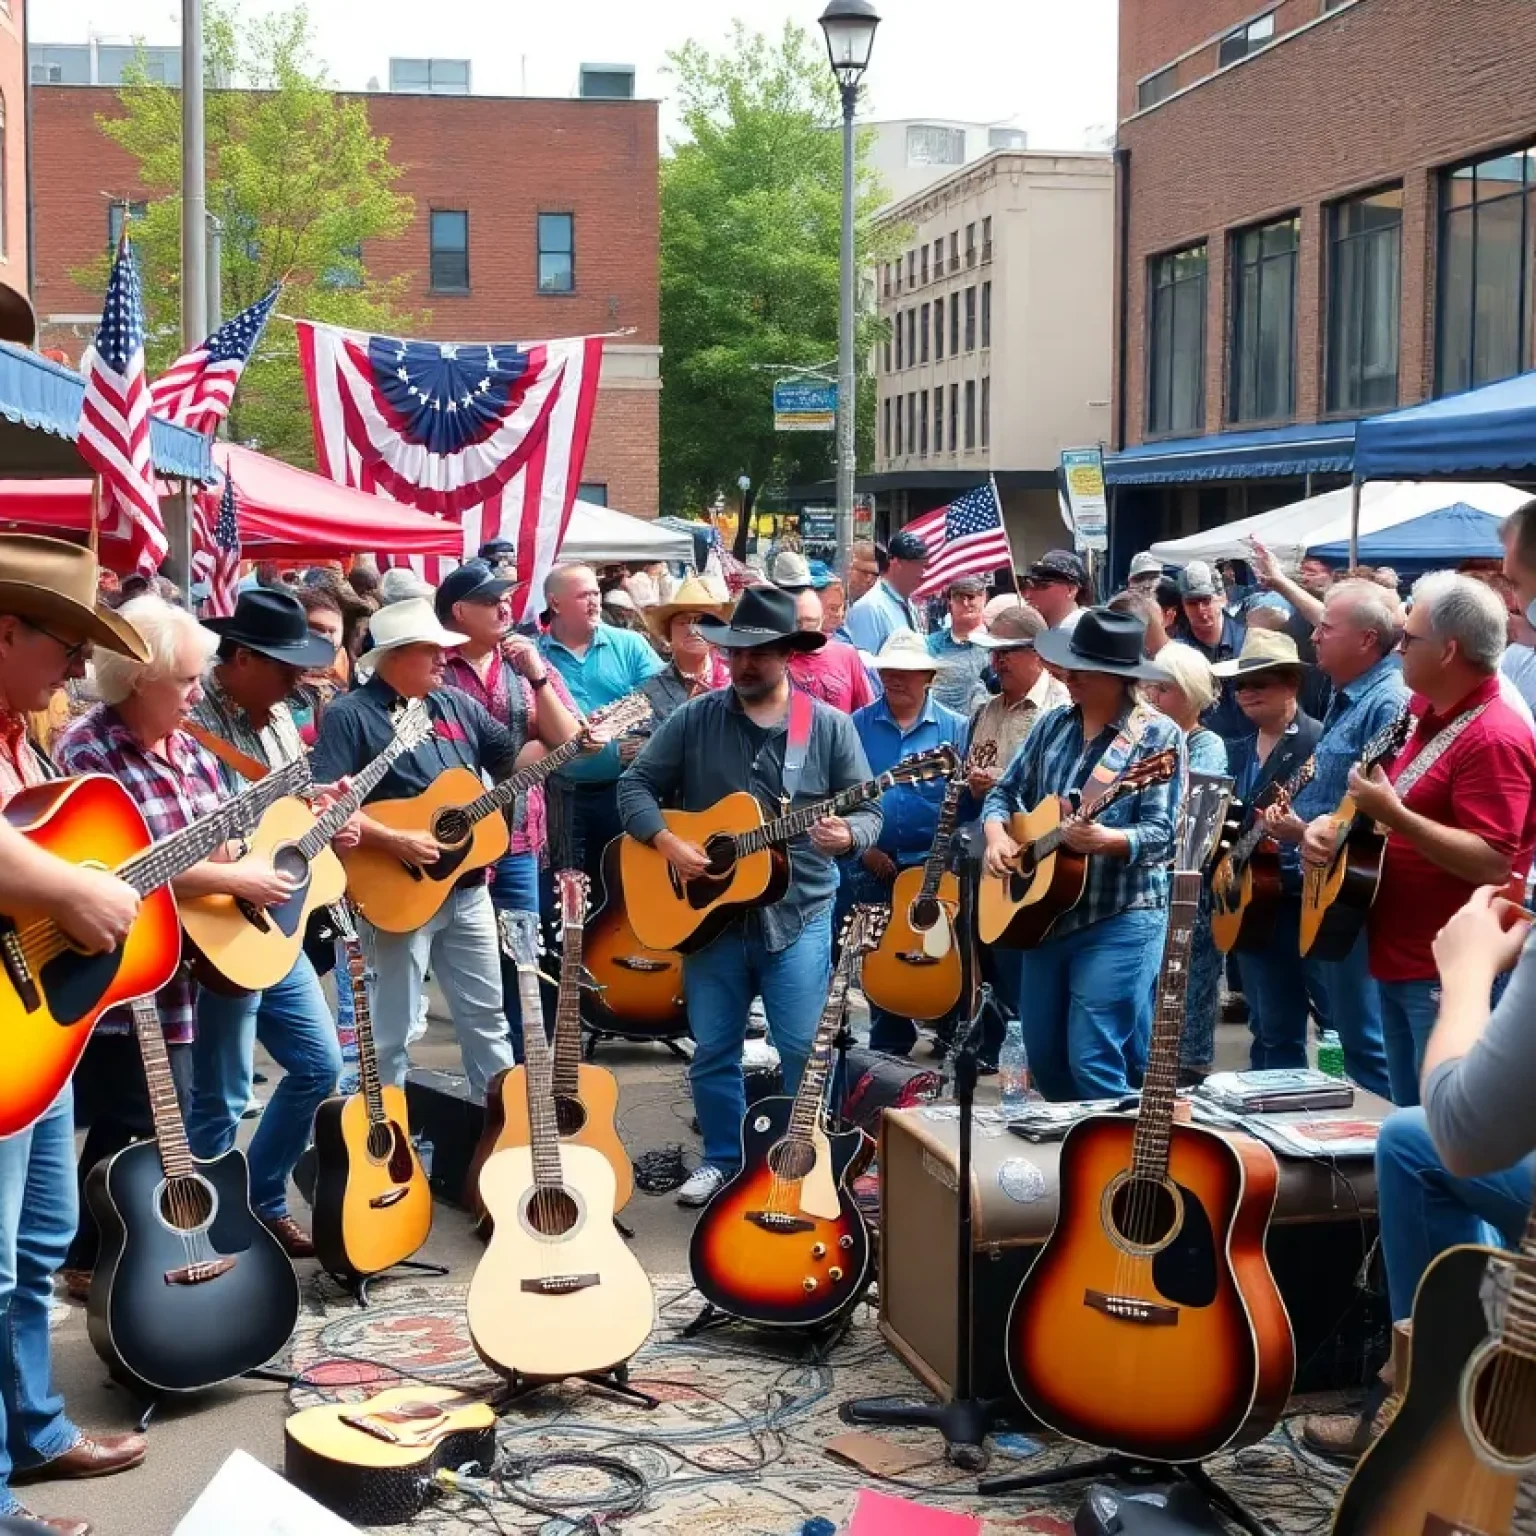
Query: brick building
(559,238)
(1327,209)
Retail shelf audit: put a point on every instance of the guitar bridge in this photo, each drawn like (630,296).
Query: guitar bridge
(916,957)
(254,915)
(14,959)
(640,963)
(388,1198)
(199,1274)
(1132,1309)
(779,1221)
(559,1285)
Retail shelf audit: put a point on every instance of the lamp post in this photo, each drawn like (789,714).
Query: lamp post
(850,29)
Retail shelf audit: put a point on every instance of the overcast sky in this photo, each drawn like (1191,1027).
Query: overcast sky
(1044,65)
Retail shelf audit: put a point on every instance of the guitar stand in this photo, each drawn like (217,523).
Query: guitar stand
(615,1382)
(356,1286)
(1129,1470)
(151,1403)
(626,1232)
(820,1342)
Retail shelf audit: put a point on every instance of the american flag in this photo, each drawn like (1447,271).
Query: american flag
(196,389)
(966,538)
(492,436)
(114,417)
(216,552)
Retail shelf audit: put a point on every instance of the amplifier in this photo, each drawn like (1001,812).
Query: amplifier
(1319,1243)
(447,1118)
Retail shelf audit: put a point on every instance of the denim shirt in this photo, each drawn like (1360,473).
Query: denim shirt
(959,685)
(911,810)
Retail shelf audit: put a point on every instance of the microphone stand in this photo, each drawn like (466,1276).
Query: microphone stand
(965,1420)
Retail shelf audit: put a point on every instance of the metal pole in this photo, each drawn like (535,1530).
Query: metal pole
(1354,522)
(847,388)
(215,273)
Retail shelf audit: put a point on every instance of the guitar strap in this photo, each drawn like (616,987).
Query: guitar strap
(797,746)
(232,757)
(1433,751)
(1116,756)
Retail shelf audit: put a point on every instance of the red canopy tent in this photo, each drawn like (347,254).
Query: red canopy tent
(285,513)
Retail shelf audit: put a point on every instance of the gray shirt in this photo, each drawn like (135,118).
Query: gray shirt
(1480,1106)
(710,748)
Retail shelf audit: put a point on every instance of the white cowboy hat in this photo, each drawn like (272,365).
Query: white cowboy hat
(905,651)
(411,621)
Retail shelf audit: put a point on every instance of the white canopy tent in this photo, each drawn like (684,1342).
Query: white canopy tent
(1290,531)
(604,534)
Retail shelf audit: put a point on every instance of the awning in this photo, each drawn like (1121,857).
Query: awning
(40,414)
(1442,538)
(1491,430)
(606,534)
(1326,448)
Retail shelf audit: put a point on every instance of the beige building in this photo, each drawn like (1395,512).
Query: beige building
(1000,339)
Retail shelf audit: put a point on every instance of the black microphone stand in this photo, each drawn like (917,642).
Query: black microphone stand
(965,1420)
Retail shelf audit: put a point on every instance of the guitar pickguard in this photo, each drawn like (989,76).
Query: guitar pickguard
(445,866)
(74,983)
(1186,1271)
(287,915)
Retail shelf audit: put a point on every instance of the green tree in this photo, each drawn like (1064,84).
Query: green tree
(299,181)
(751,219)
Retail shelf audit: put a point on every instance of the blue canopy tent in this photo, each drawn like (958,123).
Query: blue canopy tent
(1428,543)
(1486,432)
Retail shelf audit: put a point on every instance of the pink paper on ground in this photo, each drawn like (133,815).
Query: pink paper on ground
(883,1514)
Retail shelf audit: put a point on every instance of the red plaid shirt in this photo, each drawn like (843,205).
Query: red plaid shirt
(172,792)
(20,766)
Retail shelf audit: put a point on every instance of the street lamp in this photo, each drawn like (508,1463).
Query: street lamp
(850,29)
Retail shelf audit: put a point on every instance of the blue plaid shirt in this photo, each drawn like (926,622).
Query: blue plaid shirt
(1054,760)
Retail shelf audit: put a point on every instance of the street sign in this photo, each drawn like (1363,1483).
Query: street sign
(802,405)
(1083,471)
(819,523)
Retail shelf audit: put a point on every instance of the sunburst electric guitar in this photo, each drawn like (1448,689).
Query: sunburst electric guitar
(373,1206)
(1151,1325)
(557,1293)
(1245,888)
(586,1097)
(463,816)
(783,1243)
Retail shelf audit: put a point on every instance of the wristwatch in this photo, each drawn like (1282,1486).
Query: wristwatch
(539,682)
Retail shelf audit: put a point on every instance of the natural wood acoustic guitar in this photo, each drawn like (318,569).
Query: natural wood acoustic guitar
(748,858)
(637,992)
(463,816)
(586,1097)
(558,1292)
(1019,909)
(1151,1325)
(1246,888)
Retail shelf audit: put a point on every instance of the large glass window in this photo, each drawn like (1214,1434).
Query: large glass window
(928,144)
(901,339)
(1262,384)
(986,412)
(1156,88)
(954,323)
(922,419)
(938,328)
(938,419)
(922,331)
(557,252)
(986,314)
(1487,247)
(1176,351)
(885,432)
(970,413)
(1364,288)
(450,250)
(970,319)
(1246,39)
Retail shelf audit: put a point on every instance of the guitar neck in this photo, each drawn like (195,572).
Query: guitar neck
(519,783)
(567,1062)
(938,856)
(170,1132)
(1161,1085)
(1519,1330)
(543,1124)
(1048,842)
(367,1051)
(331,820)
(796,823)
(806,1115)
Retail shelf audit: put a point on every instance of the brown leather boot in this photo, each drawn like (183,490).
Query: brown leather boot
(295,1240)
(1345,1437)
(65,1525)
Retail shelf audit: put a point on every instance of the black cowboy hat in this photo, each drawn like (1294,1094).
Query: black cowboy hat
(763,616)
(1101,641)
(273,624)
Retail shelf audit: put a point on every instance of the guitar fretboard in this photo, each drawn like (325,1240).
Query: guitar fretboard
(367,1051)
(796,823)
(170,1132)
(938,855)
(331,820)
(806,1114)
(568,1009)
(1519,1331)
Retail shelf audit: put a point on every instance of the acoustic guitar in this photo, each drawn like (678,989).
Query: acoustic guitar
(586,1097)
(557,1293)
(1464,1438)
(463,816)
(51,994)
(1246,887)
(373,1463)
(1151,1325)
(783,1243)
(373,1206)
(1336,897)
(1019,909)
(916,970)
(190,1289)
(637,992)
(748,858)
(248,948)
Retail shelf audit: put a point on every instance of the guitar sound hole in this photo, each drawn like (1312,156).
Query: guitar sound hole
(570,1115)
(1144,1212)
(925,913)
(1504,1404)
(450,826)
(381,1142)
(288,860)
(185,1204)
(721,849)
(552,1212)
(792,1159)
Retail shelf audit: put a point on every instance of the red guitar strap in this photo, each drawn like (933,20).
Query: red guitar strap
(797,747)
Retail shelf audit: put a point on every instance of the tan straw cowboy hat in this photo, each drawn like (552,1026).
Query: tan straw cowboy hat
(695,595)
(1264,650)
(54,584)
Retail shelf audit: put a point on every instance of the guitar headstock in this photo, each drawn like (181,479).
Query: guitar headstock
(1301,778)
(610,722)
(412,725)
(1202,816)
(863,929)
(575,893)
(341,915)
(1157,769)
(520,939)
(983,756)
(1387,742)
(939,763)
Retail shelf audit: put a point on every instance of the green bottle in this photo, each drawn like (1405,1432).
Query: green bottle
(1330,1054)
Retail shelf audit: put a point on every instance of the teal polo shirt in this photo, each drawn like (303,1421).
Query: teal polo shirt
(616,662)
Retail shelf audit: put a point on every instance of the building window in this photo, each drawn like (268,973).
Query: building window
(1007,138)
(1176,350)
(938,328)
(887,367)
(986,314)
(911,269)
(1486,252)
(986,411)
(922,425)
(897,265)
(429,77)
(938,259)
(954,250)
(970,413)
(970,245)
(593,492)
(901,337)
(557,252)
(924,268)
(1262,385)
(885,426)
(911,423)
(954,324)
(1245,40)
(115,220)
(885,270)
(986,238)
(954,417)
(899,438)
(922,330)
(938,420)
(970,319)
(1364,289)
(1156,88)
(450,250)
(912,337)
(930,145)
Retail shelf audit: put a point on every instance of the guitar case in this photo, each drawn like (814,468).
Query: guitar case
(1175,1510)
(877,1082)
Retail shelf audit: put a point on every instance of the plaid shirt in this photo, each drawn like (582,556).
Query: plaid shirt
(20,766)
(1055,760)
(171,793)
(276,744)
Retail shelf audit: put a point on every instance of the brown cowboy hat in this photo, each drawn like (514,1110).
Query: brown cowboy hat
(55,584)
(695,595)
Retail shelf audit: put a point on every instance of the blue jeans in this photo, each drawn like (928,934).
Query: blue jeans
(1425,1210)
(719,983)
(1408,1013)
(1087,1005)
(1354,1009)
(891,1033)
(37,1220)
(515,888)
(293,1022)
(1197,1045)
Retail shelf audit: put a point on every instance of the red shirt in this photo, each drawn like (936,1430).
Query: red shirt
(835,675)
(1485,783)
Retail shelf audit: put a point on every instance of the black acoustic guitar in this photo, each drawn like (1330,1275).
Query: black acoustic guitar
(190,1289)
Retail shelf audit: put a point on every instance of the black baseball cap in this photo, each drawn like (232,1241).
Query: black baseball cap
(1058,565)
(473,582)
(497,549)
(907,545)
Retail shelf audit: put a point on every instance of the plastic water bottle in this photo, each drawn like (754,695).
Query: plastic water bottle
(1330,1054)
(425,1150)
(1013,1070)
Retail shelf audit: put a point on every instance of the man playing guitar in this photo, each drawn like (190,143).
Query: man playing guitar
(1090,983)
(714,745)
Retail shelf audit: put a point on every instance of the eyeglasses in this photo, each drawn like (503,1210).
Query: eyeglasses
(1404,640)
(72,653)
